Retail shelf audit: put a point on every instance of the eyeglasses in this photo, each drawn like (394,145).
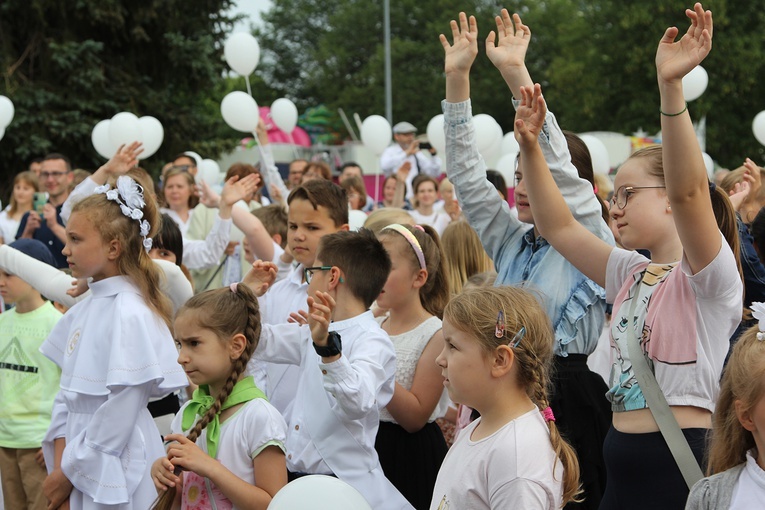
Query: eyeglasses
(308,271)
(182,168)
(55,175)
(623,194)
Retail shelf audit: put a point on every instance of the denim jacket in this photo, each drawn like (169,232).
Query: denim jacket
(574,303)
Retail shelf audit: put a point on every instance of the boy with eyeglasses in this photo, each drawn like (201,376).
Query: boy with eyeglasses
(56,179)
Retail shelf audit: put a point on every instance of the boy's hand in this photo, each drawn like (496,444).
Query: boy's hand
(513,41)
(530,116)
(676,59)
(299,317)
(320,311)
(460,55)
(56,488)
(260,277)
(162,473)
(189,456)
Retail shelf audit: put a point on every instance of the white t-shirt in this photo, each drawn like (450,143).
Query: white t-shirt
(252,428)
(515,467)
(439,220)
(685,320)
(8,226)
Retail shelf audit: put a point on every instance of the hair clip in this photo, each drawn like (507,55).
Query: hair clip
(548,414)
(761,335)
(419,227)
(499,328)
(758,312)
(518,337)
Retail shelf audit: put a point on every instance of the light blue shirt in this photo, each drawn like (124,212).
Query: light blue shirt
(574,303)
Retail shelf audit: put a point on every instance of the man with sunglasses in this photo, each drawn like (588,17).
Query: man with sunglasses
(47,226)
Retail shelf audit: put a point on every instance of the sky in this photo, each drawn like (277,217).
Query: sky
(252,9)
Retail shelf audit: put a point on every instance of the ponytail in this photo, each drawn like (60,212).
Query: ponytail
(226,312)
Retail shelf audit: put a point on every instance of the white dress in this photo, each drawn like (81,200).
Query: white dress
(115,354)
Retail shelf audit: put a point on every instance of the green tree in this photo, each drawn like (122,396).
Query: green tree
(67,65)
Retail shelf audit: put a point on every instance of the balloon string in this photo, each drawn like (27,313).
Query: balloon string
(292,144)
(247,81)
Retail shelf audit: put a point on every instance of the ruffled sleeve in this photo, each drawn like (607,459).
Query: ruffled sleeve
(107,460)
(266,427)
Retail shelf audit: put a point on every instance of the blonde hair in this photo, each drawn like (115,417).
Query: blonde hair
(742,382)
(190,181)
(27,177)
(435,293)
(354,183)
(381,218)
(107,218)
(475,311)
(226,313)
(465,255)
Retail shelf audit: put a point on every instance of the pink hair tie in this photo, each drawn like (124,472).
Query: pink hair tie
(411,239)
(233,287)
(419,227)
(548,414)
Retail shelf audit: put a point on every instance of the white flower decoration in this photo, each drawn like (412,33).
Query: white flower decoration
(147,242)
(102,189)
(112,194)
(758,312)
(132,194)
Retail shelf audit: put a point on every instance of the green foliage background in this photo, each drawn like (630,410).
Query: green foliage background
(68,64)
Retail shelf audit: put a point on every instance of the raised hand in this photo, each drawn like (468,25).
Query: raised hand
(260,277)
(739,193)
(530,115)
(460,55)
(320,310)
(207,196)
(123,160)
(754,175)
(238,189)
(675,59)
(513,41)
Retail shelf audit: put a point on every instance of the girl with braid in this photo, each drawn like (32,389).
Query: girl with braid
(496,359)
(232,453)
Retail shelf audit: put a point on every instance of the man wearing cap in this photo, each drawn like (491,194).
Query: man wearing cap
(405,149)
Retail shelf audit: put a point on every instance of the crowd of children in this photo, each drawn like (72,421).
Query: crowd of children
(212,351)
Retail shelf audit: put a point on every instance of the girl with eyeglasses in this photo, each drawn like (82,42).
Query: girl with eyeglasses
(682,304)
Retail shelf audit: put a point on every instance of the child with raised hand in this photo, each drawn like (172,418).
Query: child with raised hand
(497,360)
(115,352)
(232,452)
(737,449)
(682,305)
(409,442)
(521,252)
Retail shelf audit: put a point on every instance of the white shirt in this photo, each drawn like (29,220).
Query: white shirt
(394,156)
(515,467)
(183,225)
(750,490)
(8,226)
(439,220)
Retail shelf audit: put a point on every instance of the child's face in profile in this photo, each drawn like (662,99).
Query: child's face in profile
(86,252)
(305,227)
(14,289)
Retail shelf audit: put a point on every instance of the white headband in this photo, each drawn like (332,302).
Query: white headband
(131,204)
(758,312)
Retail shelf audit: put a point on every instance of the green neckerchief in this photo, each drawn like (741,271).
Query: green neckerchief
(244,391)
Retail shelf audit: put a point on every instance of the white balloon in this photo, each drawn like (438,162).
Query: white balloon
(318,492)
(208,171)
(124,129)
(376,133)
(758,127)
(101,140)
(487,133)
(6,112)
(599,154)
(436,135)
(506,166)
(2,133)
(242,53)
(695,83)
(196,157)
(152,135)
(710,164)
(284,114)
(240,111)
(510,144)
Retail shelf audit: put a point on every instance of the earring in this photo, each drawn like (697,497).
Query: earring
(341,280)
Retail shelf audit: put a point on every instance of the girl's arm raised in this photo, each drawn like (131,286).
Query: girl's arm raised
(412,408)
(684,169)
(552,217)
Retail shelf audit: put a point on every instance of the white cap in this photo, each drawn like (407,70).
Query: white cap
(404,127)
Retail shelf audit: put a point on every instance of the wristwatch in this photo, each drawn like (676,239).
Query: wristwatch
(334,346)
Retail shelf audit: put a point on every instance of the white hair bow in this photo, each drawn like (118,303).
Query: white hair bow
(131,204)
(758,312)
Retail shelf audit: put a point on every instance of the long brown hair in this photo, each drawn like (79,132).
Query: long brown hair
(475,312)
(465,255)
(742,382)
(133,262)
(226,313)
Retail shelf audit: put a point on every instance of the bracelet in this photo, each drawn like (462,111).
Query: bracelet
(675,114)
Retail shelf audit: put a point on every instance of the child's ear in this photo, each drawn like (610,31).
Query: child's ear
(114,250)
(421,278)
(277,239)
(336,277)
(344,227)
(236,346)
(503,361)
(744,416)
